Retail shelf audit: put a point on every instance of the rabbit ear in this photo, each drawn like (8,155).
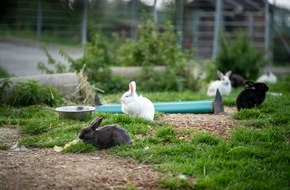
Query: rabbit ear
(268,73)
(96,123)
(132,87)
(228,74)
(250,84)
(220,74)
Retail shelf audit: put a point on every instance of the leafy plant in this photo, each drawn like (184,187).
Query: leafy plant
(155,48)
(151,48)
(3,73)
(239,56)
(4,84)
(98,60)
(31,93)
(57,66)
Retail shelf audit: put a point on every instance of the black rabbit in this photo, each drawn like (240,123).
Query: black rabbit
(254,95)
(105,137)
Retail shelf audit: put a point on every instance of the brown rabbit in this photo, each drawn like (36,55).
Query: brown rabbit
(105,137)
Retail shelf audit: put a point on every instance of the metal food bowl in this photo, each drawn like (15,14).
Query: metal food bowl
(75,112)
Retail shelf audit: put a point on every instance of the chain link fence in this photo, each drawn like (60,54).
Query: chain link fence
(25,26)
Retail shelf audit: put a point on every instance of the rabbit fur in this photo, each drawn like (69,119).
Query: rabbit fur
(269,77)
(224,84)
(254,95)
(137,106)
(237,80)
(104,137)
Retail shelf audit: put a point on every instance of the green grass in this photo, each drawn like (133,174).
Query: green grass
(256,155)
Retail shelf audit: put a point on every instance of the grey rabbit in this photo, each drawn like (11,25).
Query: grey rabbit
(104,137)
(237,80)
(254,95)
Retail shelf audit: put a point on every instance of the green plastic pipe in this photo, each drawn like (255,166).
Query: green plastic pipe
(167,107)
(201,106)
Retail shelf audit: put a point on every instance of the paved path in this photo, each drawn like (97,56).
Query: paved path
(20,57)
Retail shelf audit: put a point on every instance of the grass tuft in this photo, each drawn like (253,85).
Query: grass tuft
(80,147)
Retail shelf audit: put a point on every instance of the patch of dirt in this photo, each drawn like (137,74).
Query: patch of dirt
(8,135)
(47,169)
(218,124)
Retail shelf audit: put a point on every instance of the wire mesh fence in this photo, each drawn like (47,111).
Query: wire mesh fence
(25,26)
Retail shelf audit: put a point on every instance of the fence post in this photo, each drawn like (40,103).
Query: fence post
(179,20)
(195,30)
(267,32)
(155,15)
(251,25)
(217,27)
(39,20)
(133,20)
(84,22)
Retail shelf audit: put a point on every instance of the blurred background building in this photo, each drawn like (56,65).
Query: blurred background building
(27,25)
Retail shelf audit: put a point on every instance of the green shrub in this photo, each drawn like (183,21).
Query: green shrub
(97,59)
(155,48)
(31,93)
(4,85)
(3,73)
(240,56)
(151,48)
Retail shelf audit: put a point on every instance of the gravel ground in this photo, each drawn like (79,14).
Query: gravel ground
(218,124)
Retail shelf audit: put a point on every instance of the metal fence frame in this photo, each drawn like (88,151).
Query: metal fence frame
(266,33)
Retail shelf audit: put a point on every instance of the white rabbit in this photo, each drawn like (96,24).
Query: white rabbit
(269,77)
(224,84)
(137,106)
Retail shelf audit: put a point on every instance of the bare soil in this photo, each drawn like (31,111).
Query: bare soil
(217,124)
(47,169)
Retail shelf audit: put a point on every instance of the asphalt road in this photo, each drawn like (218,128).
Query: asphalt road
(20,57)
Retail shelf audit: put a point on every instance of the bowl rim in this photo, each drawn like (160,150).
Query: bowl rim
(89,109)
